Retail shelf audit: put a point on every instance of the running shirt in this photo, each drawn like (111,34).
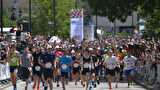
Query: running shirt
(75,63)
(65,63)
(35,58)
(110,62)
(129,63)
(87,62)
(95,59)
(14,59)
(25,60)
(48,60)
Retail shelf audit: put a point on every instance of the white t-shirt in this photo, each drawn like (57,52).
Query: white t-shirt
(23,36)
(110,62)
(129,63)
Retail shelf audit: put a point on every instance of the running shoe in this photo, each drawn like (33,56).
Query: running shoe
(38,88)
(34,86)
(116,86)
(57,85)
(128,85)
(90,88)
(14,88)
(95,85)
(98,82)
(110,89)
(26,87)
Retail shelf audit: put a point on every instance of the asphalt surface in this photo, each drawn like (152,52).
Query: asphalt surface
(72,86)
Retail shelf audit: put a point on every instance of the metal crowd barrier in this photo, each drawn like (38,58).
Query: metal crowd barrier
(145,75)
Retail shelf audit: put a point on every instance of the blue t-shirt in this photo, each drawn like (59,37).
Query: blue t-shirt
(45,57)
(65,63)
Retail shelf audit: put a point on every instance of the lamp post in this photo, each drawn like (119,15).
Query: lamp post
(29,16)
(2,17)
(54,17)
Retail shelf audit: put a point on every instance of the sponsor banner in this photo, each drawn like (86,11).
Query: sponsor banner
(4,71)
(76,24)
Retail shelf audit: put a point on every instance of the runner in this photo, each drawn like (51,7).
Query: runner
(14,62)
(57,70)
(37,69)
(110,63)
(48,62)
(65,62)
(129,63)
(26,66)
(86,67)
(117,69)
(76,66)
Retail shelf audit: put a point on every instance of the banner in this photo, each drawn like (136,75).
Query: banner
(4,71)
(76,24)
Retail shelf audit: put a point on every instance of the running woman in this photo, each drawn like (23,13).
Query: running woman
(117,69)
(65,62)
(110,63)
(47,61)
(37,69)
(129,64)
(26,66)
(86,67)
(76,66)
(14,60)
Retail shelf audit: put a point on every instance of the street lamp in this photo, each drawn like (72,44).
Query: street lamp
(2,17)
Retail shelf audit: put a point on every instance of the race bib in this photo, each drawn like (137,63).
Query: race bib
(14,59)
(110,66)
(64,66)
(86,65)
(48,65)
(37,68)
(75,65)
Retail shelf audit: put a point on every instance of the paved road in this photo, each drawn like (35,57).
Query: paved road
(71,86)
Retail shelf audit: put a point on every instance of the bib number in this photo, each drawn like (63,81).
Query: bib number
(48,65)
(14,59)
(37,68)
(64,66)
(86,65)
(75,65)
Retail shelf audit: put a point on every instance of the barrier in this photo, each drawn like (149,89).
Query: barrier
(147,76)
(4,74)
(4,71)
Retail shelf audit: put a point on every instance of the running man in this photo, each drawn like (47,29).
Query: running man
(14,60)
(129,64)
(26,66)
(65,62)
(48,62)
(37,69)
(110,63)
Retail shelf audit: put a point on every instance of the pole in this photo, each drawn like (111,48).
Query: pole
(54,18)
(96,26)
(76,4)
(2,17)
(30,16)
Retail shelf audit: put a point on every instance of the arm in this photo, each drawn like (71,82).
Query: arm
(40,62)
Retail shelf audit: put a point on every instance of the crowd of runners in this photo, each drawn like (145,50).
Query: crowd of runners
(84,62)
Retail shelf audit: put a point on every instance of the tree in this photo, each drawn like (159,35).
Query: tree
(7,22)
(114,9)
(44,17)
(149,11)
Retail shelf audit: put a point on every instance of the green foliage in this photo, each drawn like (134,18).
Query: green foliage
(114,9)
(6,19)
(150,12)
(44,14)
(121,34)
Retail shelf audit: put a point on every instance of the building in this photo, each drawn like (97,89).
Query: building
(17,7)
(105,25)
